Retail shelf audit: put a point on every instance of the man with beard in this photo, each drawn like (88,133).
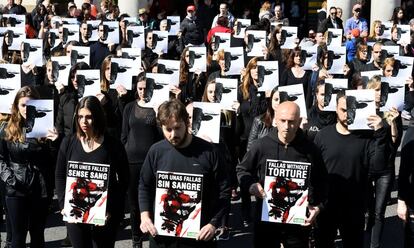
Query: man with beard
(85,35)
(348,157)
(99,50)
(182,152)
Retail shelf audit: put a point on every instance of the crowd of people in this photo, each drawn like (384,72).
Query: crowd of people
(351,172)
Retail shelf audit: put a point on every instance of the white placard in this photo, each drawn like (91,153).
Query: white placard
(63,68)
(122,71)
(392,93)
(136,36)
(198,59)
(226,92)
(294,93)
(157,89)
(34,50)
(289,36)
(172,67)
(95,26)
(336,56)
(39,118)
(10,83)
(221,41)
(206,121)
(113,32)
(256,41)
(334,38)
(359,105)
(160,41)
(233,60)
(72,32)
(80,54)
(173,25)
(268,75)
(241,25)
(88,82)
(16,20)
(332,87)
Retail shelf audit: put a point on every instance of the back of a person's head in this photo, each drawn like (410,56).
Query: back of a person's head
(223,21)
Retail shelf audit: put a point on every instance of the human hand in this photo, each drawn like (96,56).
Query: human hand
(374,122)
(313,212)
(402,210)
(121,90)
(207,232)
(52,134)
(147,226)
(257,190)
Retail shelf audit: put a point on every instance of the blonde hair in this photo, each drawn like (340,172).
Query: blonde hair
(372,33)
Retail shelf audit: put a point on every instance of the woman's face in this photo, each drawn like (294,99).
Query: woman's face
(394,34)
(296,59)
(279,36)
(378,29)
(141,87)
(325,61)
(22,106)
(253,73)
(85,120)
(49,72)
(108,72)
(222,64)
(378,95)
(211,92)
(6,39)
(400,14)
(320,96)
(388,71)
(275,100)
(363,54)
(74,81)
(187,57)
(68,50)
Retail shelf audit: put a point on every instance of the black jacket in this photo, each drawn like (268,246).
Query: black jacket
(253,166)
(66,110)
(258,130)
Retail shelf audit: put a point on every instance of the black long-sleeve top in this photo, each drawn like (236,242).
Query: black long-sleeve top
(317,120)
(110,152)
(199,157)
(65,114)
(348,159)
(250,108)
(405,182)
(99,51)
(139,131)
(252,168)
(289,79)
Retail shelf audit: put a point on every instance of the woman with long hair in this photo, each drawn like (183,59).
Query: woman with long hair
(360,60)
(381,179)
(139,133)
(27,172)
(398,16)
(91,144)
(375,31)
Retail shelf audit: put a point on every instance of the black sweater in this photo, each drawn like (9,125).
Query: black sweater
(253,166)
(348,159)
(317,120)
(405,178)
(110,152)
(139,131)
(199,157)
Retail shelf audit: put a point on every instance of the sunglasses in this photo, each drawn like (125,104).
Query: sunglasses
(357,10)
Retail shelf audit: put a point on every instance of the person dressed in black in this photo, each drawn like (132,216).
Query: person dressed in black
(100,50)
(190,30)
(182,152)
(331,22)
(287,143)
(90,144)
(348,157)
(85,35)
(27,174)
(139,133)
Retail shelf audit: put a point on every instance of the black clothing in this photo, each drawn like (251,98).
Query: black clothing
(86,44)
(163,156)
(58,50)
(193,89)
(191,32)
(258,130)
(405,183)
(99,51)
(317,120)
(139,131)
(149,59)
(49,91)
(289,79)
(65,124)
(327,23)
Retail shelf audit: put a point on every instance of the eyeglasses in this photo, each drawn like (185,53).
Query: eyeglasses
(333,13)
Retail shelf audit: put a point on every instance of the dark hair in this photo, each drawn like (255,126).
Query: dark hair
(141,77)
(339,95)
(86,6)
(290,62)
(98,116)
(223,21)
(270,112)
(333,7)
(173,108)
(394,18)
(72,72)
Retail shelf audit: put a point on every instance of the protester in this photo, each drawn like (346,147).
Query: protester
(356,22)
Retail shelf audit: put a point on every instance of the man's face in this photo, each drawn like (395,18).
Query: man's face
(175,132)
(332,14)
(319,38)
(223,9)
(287,122)
(376,52)
(341,112)
(357,10)
(101,32)
(149,40)
(164,26)
(278,12)
(320,96)
(84,30)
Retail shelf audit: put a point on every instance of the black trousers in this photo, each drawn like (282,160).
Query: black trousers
(273,234)
(88,236)
(171,242)
(27,214)
(134,172)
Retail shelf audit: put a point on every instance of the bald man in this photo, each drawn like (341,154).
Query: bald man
(287,143)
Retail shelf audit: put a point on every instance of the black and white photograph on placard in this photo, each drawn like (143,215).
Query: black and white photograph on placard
(130,21)
(39,118)
(173,25)
(360,104)
(267,75)
(14,20)
(70,32)
(385,32)
(288,37)
(332,86)
(336,60)
(32,52)
(403,67)
(61,66)
(80,54)
(367,75)
(10,82)
(53,37)
(334,37)
(392,93)
(89,82)
(197,59)
(309,56)
(172,67)
(389,52)
(206,121)
(93,25)
(136,37)
(225,92)
(221,41)
(160,41)
(233,60)
(122,71)
(403,34)
(157,89)
(112,30)
(70,21)
(241,25)
(131,53)
(256,41)
(294,93)
(56,21)
(14,36)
